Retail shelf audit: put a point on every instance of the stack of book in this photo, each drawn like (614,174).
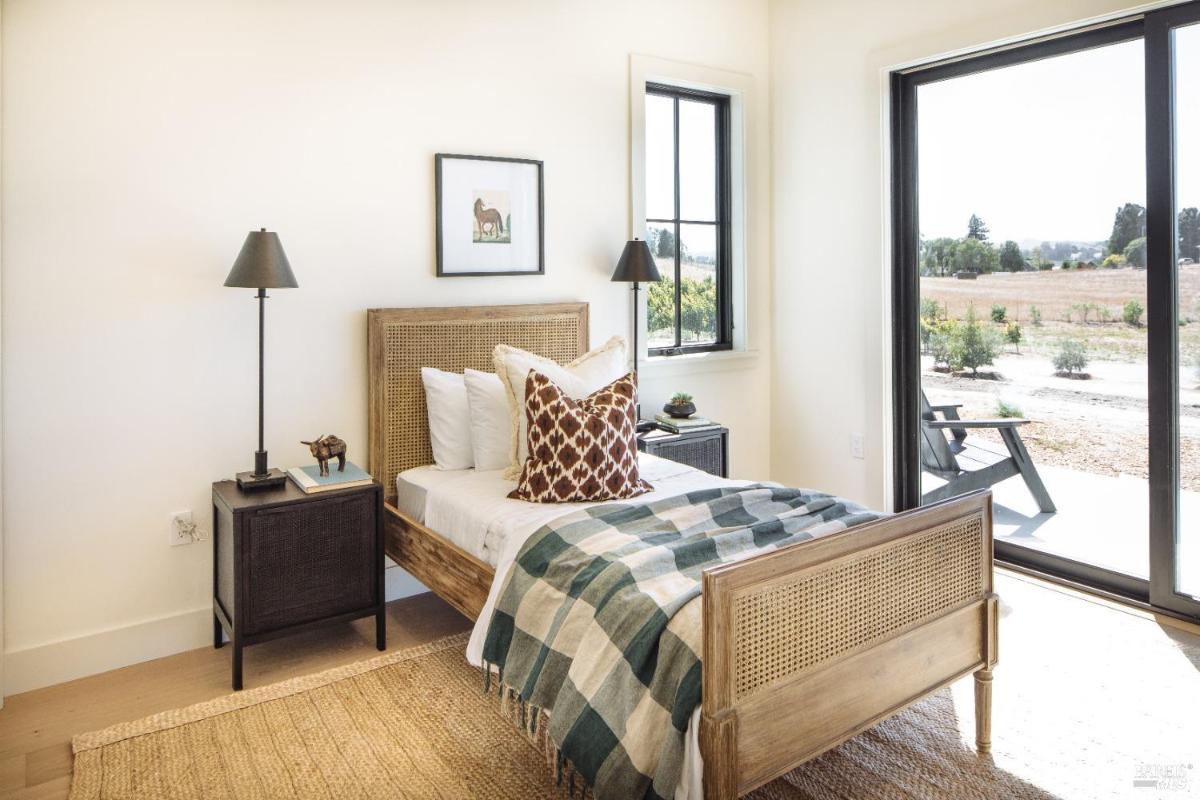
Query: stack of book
(312,481)
(676,425)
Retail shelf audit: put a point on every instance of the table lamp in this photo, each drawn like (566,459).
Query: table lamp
(261,265)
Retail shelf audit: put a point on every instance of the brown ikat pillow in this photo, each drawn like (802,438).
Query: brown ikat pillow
(580,450)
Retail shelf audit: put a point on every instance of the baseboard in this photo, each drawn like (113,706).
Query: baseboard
(57,662)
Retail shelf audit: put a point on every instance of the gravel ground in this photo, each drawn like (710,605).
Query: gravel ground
(1097,426)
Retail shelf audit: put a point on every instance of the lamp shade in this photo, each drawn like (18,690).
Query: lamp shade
(262,264)
(636,264)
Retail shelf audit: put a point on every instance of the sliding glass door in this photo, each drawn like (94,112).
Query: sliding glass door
(1047,299)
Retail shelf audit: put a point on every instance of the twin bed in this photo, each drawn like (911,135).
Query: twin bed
(803,647)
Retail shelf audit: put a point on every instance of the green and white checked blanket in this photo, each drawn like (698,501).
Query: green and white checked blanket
(599,622)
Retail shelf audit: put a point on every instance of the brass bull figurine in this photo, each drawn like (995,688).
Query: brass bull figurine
(324,448)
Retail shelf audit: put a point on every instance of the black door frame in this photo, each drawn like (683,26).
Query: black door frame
(1154,29)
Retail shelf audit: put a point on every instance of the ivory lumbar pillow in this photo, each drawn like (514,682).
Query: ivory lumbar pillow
(449,418)
(593,370)
(489,420)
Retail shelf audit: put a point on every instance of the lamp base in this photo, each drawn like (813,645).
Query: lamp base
(249,482)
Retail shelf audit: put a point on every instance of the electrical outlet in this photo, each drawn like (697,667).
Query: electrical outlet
(180,528)
(856,445)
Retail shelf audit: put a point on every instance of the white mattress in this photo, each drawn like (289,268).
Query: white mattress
(472,509)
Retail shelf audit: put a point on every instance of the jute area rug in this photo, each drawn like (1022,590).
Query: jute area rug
(416,724)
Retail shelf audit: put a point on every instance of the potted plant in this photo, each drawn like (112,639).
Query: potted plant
(680,406)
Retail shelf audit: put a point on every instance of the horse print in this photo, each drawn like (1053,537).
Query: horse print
(493,223)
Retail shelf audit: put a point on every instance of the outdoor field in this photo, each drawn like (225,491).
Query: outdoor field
(1095,423)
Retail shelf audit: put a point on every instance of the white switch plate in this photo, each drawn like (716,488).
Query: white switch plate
(175,534)
(856,445)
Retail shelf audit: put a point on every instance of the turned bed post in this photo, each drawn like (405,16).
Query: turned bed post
(983,711)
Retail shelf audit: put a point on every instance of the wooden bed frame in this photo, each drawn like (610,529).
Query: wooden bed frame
(804,647)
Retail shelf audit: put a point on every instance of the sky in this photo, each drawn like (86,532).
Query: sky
(1050,149)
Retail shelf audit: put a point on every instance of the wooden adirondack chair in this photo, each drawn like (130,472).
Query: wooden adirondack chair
(945,458)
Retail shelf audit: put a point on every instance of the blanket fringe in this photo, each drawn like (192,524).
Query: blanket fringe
(533,723)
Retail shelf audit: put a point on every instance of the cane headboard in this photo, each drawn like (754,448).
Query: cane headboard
(402,340)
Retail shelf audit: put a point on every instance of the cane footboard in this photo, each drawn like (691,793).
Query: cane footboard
(806,646)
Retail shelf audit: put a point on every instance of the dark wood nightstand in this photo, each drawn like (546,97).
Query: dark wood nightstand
(707,449)
(285,562)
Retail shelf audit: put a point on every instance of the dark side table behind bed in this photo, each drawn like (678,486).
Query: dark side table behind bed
(706,449)
(285,562)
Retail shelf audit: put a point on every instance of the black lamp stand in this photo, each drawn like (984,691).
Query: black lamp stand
(261,477)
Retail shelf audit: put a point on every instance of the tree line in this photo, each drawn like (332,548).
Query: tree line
(1126,245)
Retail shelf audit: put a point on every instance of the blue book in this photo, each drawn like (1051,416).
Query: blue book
(312,481)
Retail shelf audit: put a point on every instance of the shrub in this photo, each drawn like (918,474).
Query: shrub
(1082,309)
(1071,357)
(1113,262)
(941,343)
(930,309)
(1035,316)
(1103,313)
(1012,335)
(973,346)
(1066,264)
(1045,265)
(999,312)
(1132,313)
(698,307)
(1008,410)
(1135,252)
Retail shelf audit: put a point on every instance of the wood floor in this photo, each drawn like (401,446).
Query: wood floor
(36,727)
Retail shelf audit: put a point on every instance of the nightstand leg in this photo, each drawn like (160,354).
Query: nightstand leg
(237,664)
(218,633)
(381,630)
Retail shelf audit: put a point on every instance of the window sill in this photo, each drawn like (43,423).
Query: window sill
(689,363)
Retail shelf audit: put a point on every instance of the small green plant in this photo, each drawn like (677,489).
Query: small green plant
(1082,309)
(1006,410)
(1012,335)
(1071,357)
(999,312)
(1035,316)
(974,346)
(1103,313)
(930,310)
(1132,313)
(679,398)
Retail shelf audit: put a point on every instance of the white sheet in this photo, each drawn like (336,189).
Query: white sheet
(412,487)
(477,504)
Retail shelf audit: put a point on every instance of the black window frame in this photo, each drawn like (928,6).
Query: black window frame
(1153,28)
(722,223)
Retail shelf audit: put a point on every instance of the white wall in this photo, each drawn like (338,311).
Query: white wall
(141,140)
(830,233)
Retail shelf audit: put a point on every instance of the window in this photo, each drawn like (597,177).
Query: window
(687,220)
(1066,265)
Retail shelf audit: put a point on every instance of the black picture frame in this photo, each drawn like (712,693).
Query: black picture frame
(439,160)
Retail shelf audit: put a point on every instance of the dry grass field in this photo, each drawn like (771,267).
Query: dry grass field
(1057,294)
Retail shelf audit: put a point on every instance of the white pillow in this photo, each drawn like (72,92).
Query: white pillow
(449,418)
(490,438)
(593,370)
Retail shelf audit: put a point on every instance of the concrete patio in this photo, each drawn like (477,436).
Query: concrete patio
(1101,520)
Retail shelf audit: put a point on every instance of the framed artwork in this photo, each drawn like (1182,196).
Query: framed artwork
(489,216)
